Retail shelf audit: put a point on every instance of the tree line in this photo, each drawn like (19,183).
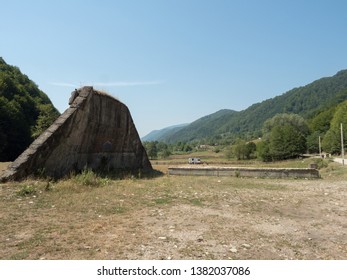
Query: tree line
(284,136)
(25,112)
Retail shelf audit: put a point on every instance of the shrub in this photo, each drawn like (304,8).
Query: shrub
(88,178)
(321,163)
(27,190)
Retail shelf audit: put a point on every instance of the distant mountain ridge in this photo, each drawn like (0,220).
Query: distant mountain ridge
(304,101)
(201,128)
(157,135)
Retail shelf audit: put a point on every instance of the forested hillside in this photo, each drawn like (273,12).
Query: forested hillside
(25,111)
(305,101)
(204,127)
(157,135)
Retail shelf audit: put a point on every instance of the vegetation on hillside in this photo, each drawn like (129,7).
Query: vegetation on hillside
(227,125)
(332,138)
(284,136)
(289,125)
(204,128)
(156,135)
(25,111)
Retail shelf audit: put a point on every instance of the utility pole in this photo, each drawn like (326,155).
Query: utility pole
(320,148)
(342,147)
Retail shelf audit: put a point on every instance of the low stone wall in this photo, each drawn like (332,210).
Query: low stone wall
(246,172)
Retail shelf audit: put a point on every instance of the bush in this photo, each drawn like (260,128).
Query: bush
(27,190)
(88,178)
(321,163)
(263,151)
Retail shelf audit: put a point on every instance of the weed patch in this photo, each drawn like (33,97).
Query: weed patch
(162,200)
(196,202)
(89,178)
(27,190)
(321,163)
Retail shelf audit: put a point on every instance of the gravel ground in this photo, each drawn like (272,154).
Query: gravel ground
(172,217)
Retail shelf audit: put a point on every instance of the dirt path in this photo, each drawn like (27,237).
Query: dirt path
(341,161)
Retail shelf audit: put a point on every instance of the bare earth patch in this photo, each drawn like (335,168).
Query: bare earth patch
(3,166)
(175,218)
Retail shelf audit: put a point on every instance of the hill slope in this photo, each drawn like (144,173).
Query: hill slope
(201,128)
(157,135)
(304,101)
(25,111)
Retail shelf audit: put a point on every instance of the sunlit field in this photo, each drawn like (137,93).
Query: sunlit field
(171,217)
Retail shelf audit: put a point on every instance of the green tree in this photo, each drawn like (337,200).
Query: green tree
(239,149)
(251,150)
(286,142)
(46,117)
(23,111)
(14,130)
(286,119)
(313,142)
(163,150)
(263,151)
(321,122)
(332,140)
(165,153)
(187,148)
(284,137)
(152,150)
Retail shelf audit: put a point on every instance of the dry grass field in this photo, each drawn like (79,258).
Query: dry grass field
(172,217)
(3,166)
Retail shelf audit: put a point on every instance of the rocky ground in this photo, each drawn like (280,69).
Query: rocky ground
(171,217)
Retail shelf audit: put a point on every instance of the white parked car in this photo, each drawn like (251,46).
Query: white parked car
(194,161)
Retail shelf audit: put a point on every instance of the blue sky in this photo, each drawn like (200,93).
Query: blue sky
(173,62)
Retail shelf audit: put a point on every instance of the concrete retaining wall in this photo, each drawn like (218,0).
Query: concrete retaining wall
(97,132)
(246,172)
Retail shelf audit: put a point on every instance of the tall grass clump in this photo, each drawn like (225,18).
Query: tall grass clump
(89,178)
(26,190)
(321,163)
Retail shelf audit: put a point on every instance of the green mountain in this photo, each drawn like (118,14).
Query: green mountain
(25,111)
(305,101)
(204,127)
(157,135)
